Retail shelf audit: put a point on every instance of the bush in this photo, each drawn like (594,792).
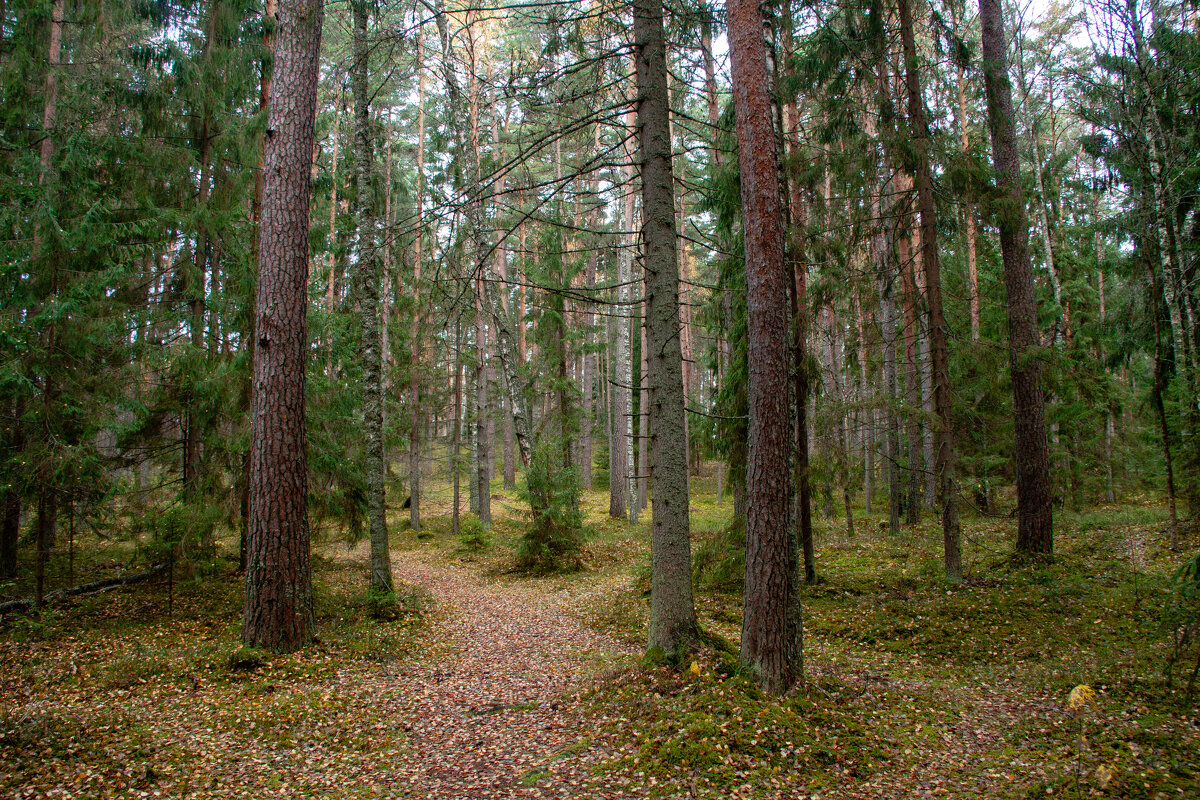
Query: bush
(473,537)
(719,562)
(1182,620)
(553,541)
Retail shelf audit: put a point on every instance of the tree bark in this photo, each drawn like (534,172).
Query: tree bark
(771,647)
(623,497)
(369,277)
(331,282)
(672,611)
(278,603)
(912,374)
(1035,526)
(270,10)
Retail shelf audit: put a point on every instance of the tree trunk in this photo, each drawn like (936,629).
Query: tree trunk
(867,425)
(587,423)
(414,366)
(455,471)
(278,603)
(505,347)
(771,643)
(912,376)
(480,479)
(10,499)
(368,276)
(643,439)
(968,207)
(270,9)
(623,498)
(195,282)
(943,463)
(672,612)
(1035,526)
(883,254)
(331,280)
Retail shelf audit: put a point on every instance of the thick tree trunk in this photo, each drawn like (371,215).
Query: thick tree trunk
(1035,525)
(368,276)
(672,612)
(771,642)
(270,10)
(278,602)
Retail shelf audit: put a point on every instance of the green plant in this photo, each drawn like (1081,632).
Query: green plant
(554,538)
(472,535)
(719,562)
(1182,619)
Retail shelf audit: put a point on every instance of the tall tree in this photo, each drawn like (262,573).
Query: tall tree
(939,357)
(1035,525)
(771,633)
(672,610)
(278,611)
(368,273)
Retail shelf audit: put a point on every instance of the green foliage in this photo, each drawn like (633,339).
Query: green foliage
(1182,620)
(554,537)
(719,560)
(472,535)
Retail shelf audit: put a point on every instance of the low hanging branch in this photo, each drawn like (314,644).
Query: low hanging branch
(95,587)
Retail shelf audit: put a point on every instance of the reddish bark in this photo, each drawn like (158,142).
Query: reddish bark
(768,647)
(278,605)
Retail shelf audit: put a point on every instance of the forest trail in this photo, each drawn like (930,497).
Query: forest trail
(488,716)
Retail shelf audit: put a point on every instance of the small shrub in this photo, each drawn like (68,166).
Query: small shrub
(1182,620)
(472,535)
(554,539)
(719,562)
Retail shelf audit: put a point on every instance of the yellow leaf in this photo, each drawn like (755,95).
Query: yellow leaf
(1080,696)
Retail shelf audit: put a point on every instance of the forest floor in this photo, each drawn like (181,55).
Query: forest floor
(491,684)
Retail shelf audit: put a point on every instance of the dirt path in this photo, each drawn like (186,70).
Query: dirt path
(489,716)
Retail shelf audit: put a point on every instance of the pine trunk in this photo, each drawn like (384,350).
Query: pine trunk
(770,631)
(278,611)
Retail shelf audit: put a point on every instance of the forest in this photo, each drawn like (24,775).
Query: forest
(589,399)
